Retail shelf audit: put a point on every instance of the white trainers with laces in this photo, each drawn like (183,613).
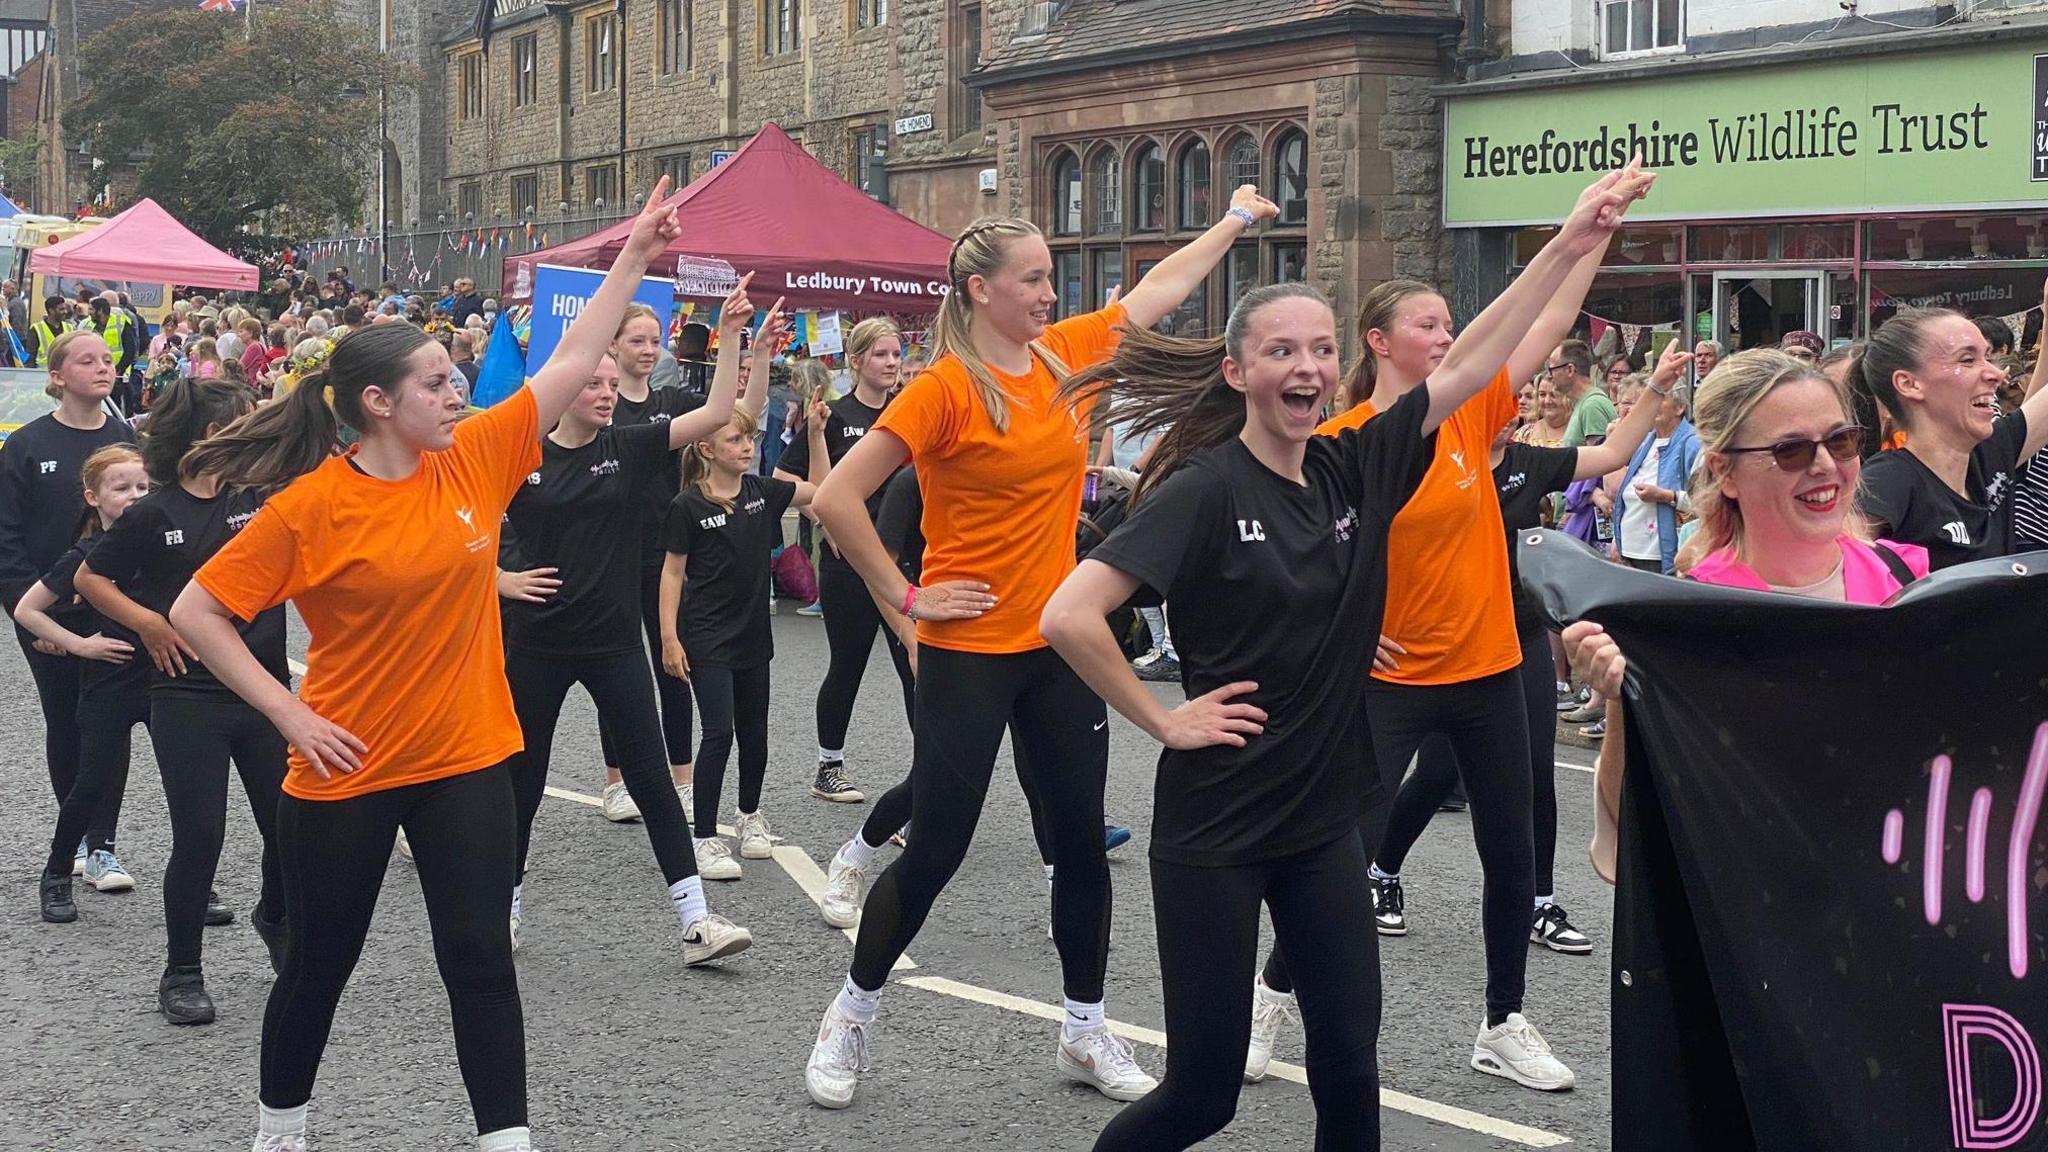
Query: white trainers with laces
(104,872)
(1103,1060)
(715,862)
(1514,1050)
(846,887)
(687,793)
(618,806)
(711,936)
(288,1142)
(515,933)
(1269,1009)
(755,843)
(837,1060)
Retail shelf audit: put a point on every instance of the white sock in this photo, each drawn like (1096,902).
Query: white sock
(506,1140)
(1544,899)
(280,1121)
(1082,1018)
(744,815)
(1048,873)
(1373,870)
(687,895)
(517,889)
(835,755)
(858,852)
(1564,686)
(698,842)
(857,1003)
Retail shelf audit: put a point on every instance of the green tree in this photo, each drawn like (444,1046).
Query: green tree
(226,125)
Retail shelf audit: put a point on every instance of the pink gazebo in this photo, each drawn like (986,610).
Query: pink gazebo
(144,245)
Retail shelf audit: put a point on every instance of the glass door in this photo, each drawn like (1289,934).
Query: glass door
(1757,309)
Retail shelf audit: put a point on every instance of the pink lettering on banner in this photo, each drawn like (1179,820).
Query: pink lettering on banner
(2019,849)
(1962,1023)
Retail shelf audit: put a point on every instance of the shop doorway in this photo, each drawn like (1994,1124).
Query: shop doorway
(1757,309)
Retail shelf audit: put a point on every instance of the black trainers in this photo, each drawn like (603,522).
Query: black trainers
(181,996)
(1165,670)
(273,935)
(1552,930)
(834,784)
(217,910)
(56,900)
(1389,912)
(1455,802)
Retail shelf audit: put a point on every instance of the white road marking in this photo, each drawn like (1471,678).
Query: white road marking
(1398,1101)
(297,668)
(1589,769)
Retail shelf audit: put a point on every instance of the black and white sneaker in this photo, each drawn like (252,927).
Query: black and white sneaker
(834,784)
(1568,700)
(1389,912)
(1552,930)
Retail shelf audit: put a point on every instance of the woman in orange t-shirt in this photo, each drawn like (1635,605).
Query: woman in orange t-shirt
(404,719)
(1000,459)
(1448,660)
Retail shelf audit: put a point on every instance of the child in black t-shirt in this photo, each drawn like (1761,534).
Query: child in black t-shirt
(714,617)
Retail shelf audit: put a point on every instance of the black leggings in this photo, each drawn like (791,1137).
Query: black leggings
(58,679)
(624,696)
(1487,728)
(851,621)
(734,702)
(464,840)
(195,737)
(965,700)
(674,693)
(105,721)
(891,812)
(1208,924)
(1436,773)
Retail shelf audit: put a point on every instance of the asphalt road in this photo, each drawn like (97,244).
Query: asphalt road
(626,1048)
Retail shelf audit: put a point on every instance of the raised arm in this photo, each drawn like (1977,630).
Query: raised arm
(768,343)
(1494,335)
(1625,435)
(575,358)
(1558,316)
(1169,282)
(725,379)
(821,462)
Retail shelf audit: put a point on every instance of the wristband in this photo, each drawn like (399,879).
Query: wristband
(910,602)
(1245,215)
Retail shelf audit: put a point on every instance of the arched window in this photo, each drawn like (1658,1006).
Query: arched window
(1290,177)
(1241,164)
(1106,189)
(1066,195)
(1148,169)
(1194,185)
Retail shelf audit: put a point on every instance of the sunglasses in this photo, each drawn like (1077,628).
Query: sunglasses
(1843,443)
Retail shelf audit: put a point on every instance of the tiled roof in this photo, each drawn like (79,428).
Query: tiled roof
(1090,29)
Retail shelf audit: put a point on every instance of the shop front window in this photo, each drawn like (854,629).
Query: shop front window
(1194,186)
(1958,238)
(1240,273)
(1109,275)
(1290,263)
(1290,184)
(1066,279)
(1150,170)
(1066,195)
(1106,173)
(1731,244)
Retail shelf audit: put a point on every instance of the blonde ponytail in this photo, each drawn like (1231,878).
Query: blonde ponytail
(982,250)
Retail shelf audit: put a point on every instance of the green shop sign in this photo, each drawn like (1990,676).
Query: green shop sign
(1965,129)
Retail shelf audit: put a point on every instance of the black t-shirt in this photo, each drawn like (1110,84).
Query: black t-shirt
(847,422)
(100,677)
(42,495)
(1917,507)
(901,523)
(1524,480)
(152,551)
(724,621)
(580,512)
(1285,585)
(661,406)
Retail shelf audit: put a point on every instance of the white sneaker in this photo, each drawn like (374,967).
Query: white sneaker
(687,793)
(618,804)
(1269,1009)
(515,933)
(1103,1060)
(846,887)
(837,1060)
(104,872)
(715,862)
(755,843)
(288,1142)
(711,936)
(1516,1051)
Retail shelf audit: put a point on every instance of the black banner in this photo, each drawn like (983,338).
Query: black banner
(1831,922)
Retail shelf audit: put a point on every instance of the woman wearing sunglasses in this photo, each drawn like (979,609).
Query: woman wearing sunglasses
(1780,458)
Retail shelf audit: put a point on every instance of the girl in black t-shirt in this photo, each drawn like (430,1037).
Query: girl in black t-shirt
(1268,763)
(132,576)
(714,610)
(113,687)
(1950,488)
(579,516)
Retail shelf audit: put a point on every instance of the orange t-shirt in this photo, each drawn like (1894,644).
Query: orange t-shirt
(1448,601)
(1001,507)
(397,583)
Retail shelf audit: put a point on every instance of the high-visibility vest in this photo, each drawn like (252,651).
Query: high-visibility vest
(46,335)
(117,324)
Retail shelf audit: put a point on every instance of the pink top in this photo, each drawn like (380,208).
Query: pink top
(1866,578)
